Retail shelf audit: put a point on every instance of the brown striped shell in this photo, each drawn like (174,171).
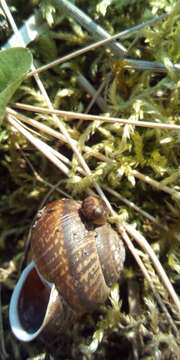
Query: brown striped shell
(81,259)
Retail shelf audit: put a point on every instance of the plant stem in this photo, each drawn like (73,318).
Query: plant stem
(87,86)
(134,206)
(75,115)
(140,239)
(157,185)
(90,25)
(39,144)
(147,276)
(127,63)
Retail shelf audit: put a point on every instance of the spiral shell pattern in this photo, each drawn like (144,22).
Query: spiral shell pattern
(65,254)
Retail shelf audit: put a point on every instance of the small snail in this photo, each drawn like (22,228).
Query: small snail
(74,263)
(94,210)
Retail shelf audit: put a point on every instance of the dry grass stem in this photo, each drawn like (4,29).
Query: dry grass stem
(129,63)
(96,97)
(39,144)
(99,156)
(134,206)
(157,185)
(46,129)
(70,115)
(135,254)
(142,242)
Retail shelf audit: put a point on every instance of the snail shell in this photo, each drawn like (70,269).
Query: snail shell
(94,210)
(37,309)
(80,259)
(68,252)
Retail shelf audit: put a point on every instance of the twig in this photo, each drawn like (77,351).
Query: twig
(134,207)
(90,25)
(157,185)
(95,96)
(39,144)
(75,115)
(147,276)
(85,84)
(29,33)
(128,63)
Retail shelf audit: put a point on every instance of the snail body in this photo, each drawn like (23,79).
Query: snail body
(72,257)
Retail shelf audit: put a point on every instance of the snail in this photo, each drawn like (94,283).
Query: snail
(76,257)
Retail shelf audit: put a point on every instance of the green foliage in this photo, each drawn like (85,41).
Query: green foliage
(48,11)
(102,6)
(14,65)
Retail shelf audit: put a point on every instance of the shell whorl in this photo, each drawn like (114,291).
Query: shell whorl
(95,210)
(68,250)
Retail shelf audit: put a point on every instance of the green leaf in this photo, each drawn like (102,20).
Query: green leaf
(14,65)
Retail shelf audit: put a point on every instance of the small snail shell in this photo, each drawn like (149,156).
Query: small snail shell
(81,259)
(95,210)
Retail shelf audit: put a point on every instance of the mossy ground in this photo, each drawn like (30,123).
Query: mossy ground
(26,176)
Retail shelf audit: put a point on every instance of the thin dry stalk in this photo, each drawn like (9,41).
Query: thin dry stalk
(75,115)
(96,97)
(128,63)
(157,185)
(46,129)
(135,254)
(39,144)
(99,156)
(140,239)
(136,173)
(134,206)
